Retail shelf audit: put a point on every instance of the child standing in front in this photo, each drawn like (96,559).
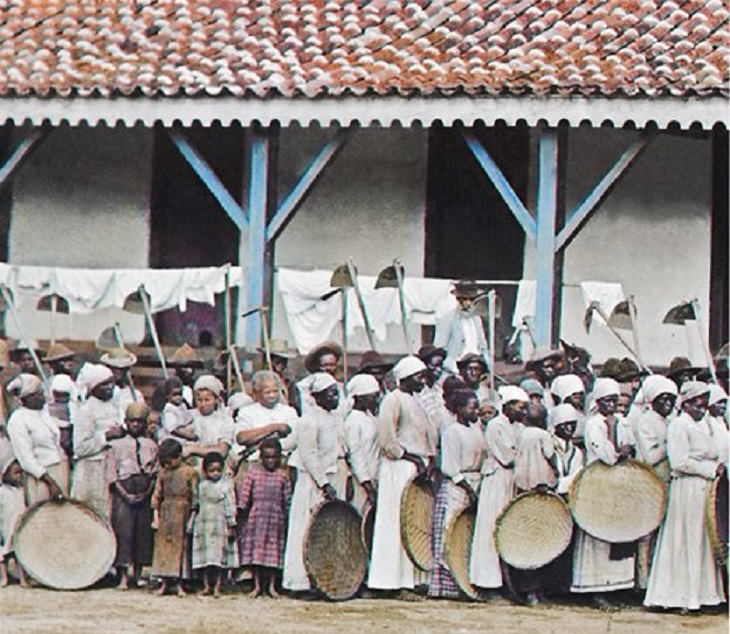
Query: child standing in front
(172,500)
(12,505)
(213,523)
(263,496)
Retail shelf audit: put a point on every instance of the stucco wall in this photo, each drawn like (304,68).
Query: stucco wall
(81,200)
(652,234)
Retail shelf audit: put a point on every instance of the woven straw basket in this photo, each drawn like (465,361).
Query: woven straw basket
(620,503)
(416,523)
(334,553)
(66,546)
(457,549)
(533,530)
(716,518)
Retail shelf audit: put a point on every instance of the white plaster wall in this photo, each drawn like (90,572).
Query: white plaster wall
(369,205)
(652,234)
(82,200)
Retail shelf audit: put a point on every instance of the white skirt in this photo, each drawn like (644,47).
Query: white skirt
(390,566)
(595,571)
(495,493)
(306,497)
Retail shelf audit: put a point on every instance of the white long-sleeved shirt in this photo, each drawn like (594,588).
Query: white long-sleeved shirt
(35,439)
(598,442)
(403,426)
(693,447)
(361,440)
(93,419)
(462,450)
(570,461)
(213,428)
(501,438)
(532,466)
(318,443)
(460,332)
(256,416)
(173,418)
(651,437)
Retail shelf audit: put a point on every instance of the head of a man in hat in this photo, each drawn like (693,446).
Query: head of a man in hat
(472,369)
(279,364)
(465,292)
(434,359)
(24,360)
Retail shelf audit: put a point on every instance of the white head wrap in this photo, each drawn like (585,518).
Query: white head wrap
(604,387)
(62,383)
(320,381)
(408,366)
(717,394)
(566,385)
(533,387)
(238,400)
(93,374)
(656,384)
(362,384)
(210,383)
(25,385)
(509,393)
(692,389)
(563,413)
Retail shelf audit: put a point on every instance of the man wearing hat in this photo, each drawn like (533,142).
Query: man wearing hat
(544,363)
(21,356)
(120,362)
(681,370)
(315,459)
(60,359)
(431,397)
(372,363)
(280,356)
(472,369)
(403,430)
(323,358)
(185,361)
(460,330)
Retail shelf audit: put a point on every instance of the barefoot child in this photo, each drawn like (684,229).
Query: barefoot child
(264,496)
(12,505)
(133,460)
(176,419)
(172,500)
(213,523)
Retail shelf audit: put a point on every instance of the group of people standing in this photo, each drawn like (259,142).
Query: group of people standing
(202,481)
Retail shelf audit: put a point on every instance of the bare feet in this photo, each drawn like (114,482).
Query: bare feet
(206,590)
(181,591)
(162,589)
(256,593)
(3,582)
(273,593)
(217,592)
(123,584)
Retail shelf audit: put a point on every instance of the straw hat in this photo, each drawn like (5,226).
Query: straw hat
(334,553)
(611,368)
(118,358)
(628,370)
(465,288)
(371,360)
(716,518)
(311,361)
(416,523)
(541,354)
(65,546)
(468,359)
(429,350)
(58,352)
(20,346)
(620,503)
(458,536)
(682,365)
(185,356)
(533,530)
(279,348)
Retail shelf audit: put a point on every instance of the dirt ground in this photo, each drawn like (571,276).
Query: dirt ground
(109,611)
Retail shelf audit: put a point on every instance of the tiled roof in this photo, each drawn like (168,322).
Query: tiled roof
(330,47)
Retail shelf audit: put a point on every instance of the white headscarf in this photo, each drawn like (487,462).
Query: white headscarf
(604,387)
(93,374)
(508,393)
(408,366)
(362,384)
(692,389)
(320,381)
(655,385)
(25,385)
(62,383)
(563,413)
(566,385)
(717,394)
(210,383)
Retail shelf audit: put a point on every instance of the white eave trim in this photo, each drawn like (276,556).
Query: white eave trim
(366,110)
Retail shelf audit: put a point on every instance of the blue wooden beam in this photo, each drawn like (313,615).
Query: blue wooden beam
(508,194)
(258,176)
(593,199)
(26,145)
(293,199)
(547,197)
(210,180)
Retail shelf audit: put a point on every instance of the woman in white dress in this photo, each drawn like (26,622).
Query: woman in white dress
(497,486)
(684,573)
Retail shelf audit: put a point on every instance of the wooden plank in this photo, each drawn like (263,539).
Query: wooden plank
(26,145)
(210,180)
(593,199)
(289,205)
(502,185)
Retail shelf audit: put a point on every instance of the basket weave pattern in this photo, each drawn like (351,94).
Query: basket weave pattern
(416,523)
(716,518)
(457,549)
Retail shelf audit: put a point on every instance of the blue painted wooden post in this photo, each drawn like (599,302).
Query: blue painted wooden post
(547,196)
(258,172)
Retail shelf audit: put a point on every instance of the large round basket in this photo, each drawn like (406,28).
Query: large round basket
(457,549)
(367,527)
(533,530)
(66,546)
(334,553)
(716,518)
(416,523)
(620,503)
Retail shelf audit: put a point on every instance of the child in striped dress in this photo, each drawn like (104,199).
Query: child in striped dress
(264,496)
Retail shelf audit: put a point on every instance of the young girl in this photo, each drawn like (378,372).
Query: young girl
(133,460)
(171,503)
(12,505)
(212,425)
(212,523)
(535,462)
(176,419)
(263,496)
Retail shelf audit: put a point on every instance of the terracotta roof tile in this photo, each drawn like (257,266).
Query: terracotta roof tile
(316,47)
